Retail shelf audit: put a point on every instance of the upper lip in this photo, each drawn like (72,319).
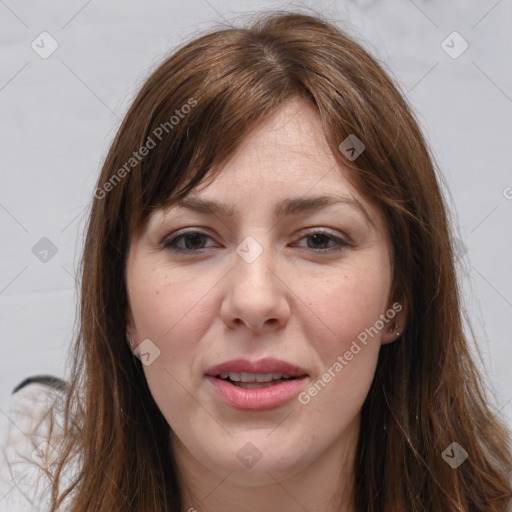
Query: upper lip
(267,365)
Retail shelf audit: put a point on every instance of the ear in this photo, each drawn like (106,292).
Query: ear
(394,324)
(131,332)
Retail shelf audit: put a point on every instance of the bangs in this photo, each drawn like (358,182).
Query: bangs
(200,120)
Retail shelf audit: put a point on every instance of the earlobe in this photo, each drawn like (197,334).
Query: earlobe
(135,349)
(130,330)
(390,333)
(395,326)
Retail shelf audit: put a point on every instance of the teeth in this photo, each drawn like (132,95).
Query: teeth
(264,377)
(253,377)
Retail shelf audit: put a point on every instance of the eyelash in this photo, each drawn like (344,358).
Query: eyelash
(170,243)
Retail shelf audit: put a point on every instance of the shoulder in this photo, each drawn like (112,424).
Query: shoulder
(30,436)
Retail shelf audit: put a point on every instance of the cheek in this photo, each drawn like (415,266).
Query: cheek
(174,313)
(348,305)
(173,316)
(162,306)
(350,308)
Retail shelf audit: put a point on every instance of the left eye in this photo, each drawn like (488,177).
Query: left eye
(194,242)
(322,238)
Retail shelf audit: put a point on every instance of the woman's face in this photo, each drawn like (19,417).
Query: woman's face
(277,284)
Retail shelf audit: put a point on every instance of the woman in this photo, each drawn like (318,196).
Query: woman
(268,239)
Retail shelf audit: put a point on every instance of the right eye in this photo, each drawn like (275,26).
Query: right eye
(191,240)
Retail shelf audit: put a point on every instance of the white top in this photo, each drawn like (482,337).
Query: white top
(24,450)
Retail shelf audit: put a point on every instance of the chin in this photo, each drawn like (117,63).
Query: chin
(251,466)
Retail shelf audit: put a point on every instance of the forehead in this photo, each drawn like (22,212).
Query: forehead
(285,165)
(286,142)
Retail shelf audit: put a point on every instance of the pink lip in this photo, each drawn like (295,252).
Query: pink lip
(256,398)
(267,365)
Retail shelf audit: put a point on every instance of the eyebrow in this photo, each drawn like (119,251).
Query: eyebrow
(287,207)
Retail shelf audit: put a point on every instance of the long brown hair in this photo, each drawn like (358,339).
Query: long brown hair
(203,101)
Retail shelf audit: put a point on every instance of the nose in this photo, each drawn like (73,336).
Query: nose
(257,296)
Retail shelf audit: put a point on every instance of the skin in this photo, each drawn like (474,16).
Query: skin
(294,302)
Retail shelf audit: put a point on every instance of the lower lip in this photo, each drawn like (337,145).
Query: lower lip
(256,399)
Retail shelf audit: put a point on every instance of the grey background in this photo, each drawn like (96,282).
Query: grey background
(59,115)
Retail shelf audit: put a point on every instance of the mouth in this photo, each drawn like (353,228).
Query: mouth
(256,385)
(256,380)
